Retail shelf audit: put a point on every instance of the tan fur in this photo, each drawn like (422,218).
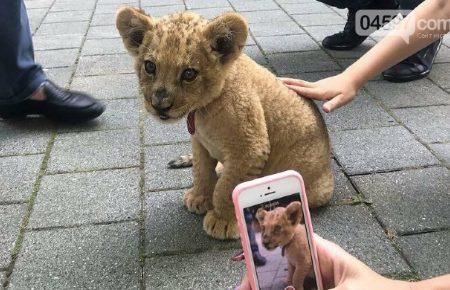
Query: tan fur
(245,118)
(280,228)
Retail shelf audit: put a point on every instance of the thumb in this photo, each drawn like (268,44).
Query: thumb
(334,103)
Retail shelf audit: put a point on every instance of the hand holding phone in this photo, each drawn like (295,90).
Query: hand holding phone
(276,233)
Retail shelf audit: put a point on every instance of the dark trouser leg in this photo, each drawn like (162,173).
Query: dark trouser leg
(409,4)
(20,76)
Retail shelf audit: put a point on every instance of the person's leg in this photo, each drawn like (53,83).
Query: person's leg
(418,65)
(20,76)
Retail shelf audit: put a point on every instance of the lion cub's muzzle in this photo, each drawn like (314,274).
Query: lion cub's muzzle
(162,103)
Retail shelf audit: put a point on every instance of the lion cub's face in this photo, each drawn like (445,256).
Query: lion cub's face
(278,225)
(181,59)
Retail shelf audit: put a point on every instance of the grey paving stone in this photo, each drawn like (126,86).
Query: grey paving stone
(35,17)
(242,6)
(280,28)
(441,75)
(46,42)
(371,116)
(301,62)
(63,28)
(38,4)
(94,150)
(26,136)
(210,13)
(158,176)
(112,7)
(95,257)
(57,58)
(103,19)
(103,46)
(343,189)
(312,76)
(319,19)
(161,2)
(60,6)
(255,53)
(356,230)
(286,43)
(397,95)
(158,132)
(68,16)
(379,149)
(207,270)
(196,4)
(159,11)
(107,31)
(431,124)
(11,217)
(320,32)
(93,197)
(400,202)
(266,16)
(126,2)
(306,8)
(104,64)
(61,76)
(119,114)
(428,253)
(442,150)
(170,228)
(17,176)
(108,86)
(354,53)
(443,55)
(2,278)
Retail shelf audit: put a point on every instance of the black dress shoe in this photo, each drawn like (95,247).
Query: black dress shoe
(415,67)
(258,259)
(62,105)
(349,39)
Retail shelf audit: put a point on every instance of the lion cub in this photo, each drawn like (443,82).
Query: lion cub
(238,112)
(281,227)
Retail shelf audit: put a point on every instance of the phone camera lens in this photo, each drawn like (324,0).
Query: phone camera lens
(268,188)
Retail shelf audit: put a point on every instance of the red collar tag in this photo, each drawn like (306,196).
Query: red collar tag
(191,122)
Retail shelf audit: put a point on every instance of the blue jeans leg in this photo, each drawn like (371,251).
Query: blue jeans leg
(20,75)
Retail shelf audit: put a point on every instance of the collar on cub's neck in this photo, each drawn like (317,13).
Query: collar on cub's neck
(283,248)
(190,121)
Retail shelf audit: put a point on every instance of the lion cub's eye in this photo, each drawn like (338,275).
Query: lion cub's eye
(277,229)
(189,75)
(150,67)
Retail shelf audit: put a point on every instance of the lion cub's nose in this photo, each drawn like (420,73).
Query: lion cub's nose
(160,99)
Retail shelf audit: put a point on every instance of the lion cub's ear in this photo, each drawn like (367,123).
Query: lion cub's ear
(260,214)
(226,35)
(294,212)
(132,24)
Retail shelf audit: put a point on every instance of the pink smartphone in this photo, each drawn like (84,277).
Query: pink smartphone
(276,233)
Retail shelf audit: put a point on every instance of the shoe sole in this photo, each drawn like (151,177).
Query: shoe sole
(393,79)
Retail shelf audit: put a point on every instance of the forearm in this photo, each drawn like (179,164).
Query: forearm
(438,283)
(393,48)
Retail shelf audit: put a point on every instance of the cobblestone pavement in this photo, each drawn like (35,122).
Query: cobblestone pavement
(94,206)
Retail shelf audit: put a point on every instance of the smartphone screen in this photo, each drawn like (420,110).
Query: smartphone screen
(279,244)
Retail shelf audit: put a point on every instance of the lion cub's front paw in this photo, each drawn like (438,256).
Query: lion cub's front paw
(196,202)
(220,228)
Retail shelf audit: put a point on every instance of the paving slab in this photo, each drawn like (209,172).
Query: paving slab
(306,8)
(28,136)
(121,1)
(38,4)
(266,16)
(319,19)
(431,124)
(371,116)
(320,32)
(285,63)
(171,229)
(17,177)
(108,86)
(158,176)
(354,53)
(312,76)
(95,150)
(95,257)
(379,149)
(286,43)
(442,150)
(120,114)
(270,29)
(60,6)
(428,253)
(103,46)
(443,55)
(57,58)
(161,2)
(343,189)
(440,74)
(60,76)
(159,11)
(243,6)
(104,65)
(63,28)
(113,7)
(255,53)
(158,132)
(210,13)
(2,278)
(196,4)
(47,42)
(80,198)
(11,217)
(107,31)
(356,230)
(68,16)
(409,201)
(398,95)
(35,17)
(103,19)
(207,270)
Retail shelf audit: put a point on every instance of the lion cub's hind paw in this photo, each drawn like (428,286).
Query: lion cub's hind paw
(220,228)
(197,203)
(181,162)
